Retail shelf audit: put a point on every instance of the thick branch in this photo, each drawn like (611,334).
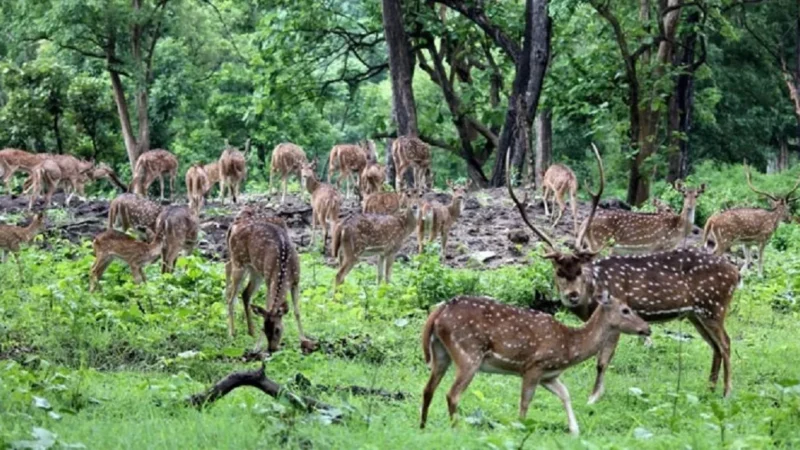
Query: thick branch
(478,16)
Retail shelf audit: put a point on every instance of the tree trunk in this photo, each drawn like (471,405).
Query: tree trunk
(526,89)
(57,132)
(143,142)
(401,68)
(783,155)
(797,68)
(124,118)
(544,144)
(680,119)
(390,169)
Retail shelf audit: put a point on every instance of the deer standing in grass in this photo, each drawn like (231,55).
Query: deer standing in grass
(263,252)
(325,202)
(350,160)
(371,234)
(196,187)
(233,170)
(371,179)
(111,244)
(748,226)
(11,237)
(13,160)
(558,180)
(411,152)
(677,284)
(176,228)
(131,210)
(287,159)
(438,219)
(151,165)
(634,232)
(388,202)
(481,334)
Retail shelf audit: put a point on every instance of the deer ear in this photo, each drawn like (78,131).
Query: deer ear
(259,310)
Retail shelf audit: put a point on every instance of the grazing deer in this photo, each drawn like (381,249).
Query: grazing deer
(98,172)
(350,160)
(748,226)
(11,237)
(213,175)
(560,179)
(111,244)
(152,164)
(12,160)
(47,173)
(411,152)
(634,232)
(676,284)
(73,171)
(286,160)
(325,202)
(371,234)
(131,210)
(196,187)
(438,219)
(371,179)
(233,170)
(263,251)
(388,202)
(481,334)
(176,227)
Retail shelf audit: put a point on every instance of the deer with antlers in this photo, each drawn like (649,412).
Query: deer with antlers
(13,160)
(176,228)
(11,237)
(683,283)
(634,232)
(371,234)
(437,219)
(748,226)
(233,170)
(371,179)
(559,180)
(196,187)
(131,210)
(151,165)
(287,159)
(389,202)
(411,152)
(112,244)
(263,252)
(350,160)
(325,202)
(479,334)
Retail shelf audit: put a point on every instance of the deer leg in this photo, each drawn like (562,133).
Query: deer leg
(346,265)
(324,224)
(603,358)
(420,233)
(388,267)
(545,191)
(562,205)
(381,268)
(444,243)
(99,267)
(171,186)
(761,246)
(314,221)
(721,345)
(247,295)
(398,179)
(296,311)
(19,265)
(233,280)
(717,359)
(530,380)
(136,272)
(169,255)
(557,387)
(51,189)
(440,362)
(283,197)
(464,375)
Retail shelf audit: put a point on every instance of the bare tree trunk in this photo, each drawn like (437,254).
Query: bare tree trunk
(544,144)
(124,118)
(680,119)
(57,132)
(143,142)
(783,155)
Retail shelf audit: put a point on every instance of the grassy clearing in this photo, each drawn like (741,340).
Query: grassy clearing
(111,369)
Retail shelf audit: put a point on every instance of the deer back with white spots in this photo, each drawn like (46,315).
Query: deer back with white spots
(287,158)
(176,227)
(131,210)
(411,152)
(232,170)
(151,165)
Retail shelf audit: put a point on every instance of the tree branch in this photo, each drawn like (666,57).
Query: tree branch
(478,16)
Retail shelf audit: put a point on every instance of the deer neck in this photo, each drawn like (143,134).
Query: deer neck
(777,214)
(586,341)
(154,249)
(455,207)
(687,217)
(312,184)
(31,230)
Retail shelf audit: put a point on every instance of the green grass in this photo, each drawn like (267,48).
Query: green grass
(108,375)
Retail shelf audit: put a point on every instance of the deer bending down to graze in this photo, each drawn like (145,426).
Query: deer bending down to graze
(371,234)
(264,252)
(12,236)
(438,219)
(233,170)
(479,334)
(213,175)
(45,173)
(12,160)
(111,244)
(639,233)
(151,165)
(683,283)
(350,160)
(176,227)
(287,159)
(325,202)
(131,210)
(388,202)
(196,187)
(558,180)
(371,179)
(411,152)
(748,226)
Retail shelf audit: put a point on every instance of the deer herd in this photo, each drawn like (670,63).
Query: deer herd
(651,275)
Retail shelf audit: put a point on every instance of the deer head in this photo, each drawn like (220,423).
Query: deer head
(689,198)
(273,325)
(779,204)
(459,191)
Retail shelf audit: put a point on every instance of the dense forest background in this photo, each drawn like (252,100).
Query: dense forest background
(660,85)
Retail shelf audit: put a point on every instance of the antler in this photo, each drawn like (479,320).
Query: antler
(246,146)
(521,207)
(595,199)
(788,196)
(753,188)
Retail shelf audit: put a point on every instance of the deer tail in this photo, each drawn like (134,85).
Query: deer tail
(708,231)
(427,333)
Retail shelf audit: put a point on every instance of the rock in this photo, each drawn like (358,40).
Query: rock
(483,257)
(518,236)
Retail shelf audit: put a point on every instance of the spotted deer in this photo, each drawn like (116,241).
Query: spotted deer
(676,284)
(350,160)
(325,202)
(112,244)
(262,251)
(213,175)
(98,172)
(133,211)
(438,219)
(196,187)
(233,170)
(389,202)
(46,173)
(11,237)
(287,159)
(559,180)
(151,165)
(638,233)
(371,179)
(13,160)
(748,226)
(411,152)
(176,227)
(480,334)
(371,234)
